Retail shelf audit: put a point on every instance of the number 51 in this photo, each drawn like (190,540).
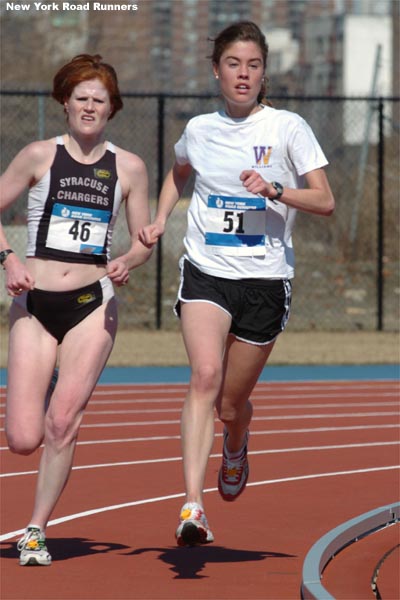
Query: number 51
(229,218)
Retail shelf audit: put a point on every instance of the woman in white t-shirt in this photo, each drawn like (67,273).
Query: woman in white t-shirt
(251,163)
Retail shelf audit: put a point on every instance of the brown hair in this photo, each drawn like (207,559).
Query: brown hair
(82,68)
(243,31)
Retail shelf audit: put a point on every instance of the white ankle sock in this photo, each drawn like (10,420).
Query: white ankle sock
(235,455)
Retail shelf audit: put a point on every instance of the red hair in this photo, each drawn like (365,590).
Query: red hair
(83,68)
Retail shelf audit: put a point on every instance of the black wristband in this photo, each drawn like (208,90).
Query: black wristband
(4,254)
(278,187)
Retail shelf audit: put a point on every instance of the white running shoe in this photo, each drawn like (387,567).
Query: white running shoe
(233,474)
(32,547)
(193,527)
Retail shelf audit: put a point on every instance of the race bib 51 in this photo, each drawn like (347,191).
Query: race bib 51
(236,226)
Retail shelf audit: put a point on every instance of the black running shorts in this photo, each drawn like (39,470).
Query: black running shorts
(59,312)
(259,308)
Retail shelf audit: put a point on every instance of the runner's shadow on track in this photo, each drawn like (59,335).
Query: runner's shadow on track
(66,548)
(188,563)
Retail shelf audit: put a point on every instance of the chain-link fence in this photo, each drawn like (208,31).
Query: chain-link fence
(347,267)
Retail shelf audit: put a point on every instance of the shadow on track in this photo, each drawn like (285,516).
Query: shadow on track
(188,563)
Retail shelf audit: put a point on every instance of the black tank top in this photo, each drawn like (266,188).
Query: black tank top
(72,219)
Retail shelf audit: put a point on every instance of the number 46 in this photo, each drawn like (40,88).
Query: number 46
(80,230)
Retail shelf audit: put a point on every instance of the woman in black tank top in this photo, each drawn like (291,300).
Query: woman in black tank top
(63,299)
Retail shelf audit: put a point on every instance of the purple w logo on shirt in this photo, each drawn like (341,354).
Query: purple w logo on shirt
(262,154)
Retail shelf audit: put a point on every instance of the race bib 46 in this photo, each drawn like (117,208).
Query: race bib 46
(76,229)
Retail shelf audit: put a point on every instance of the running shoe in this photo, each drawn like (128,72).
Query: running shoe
(234,472)
(193,527)
(32,547)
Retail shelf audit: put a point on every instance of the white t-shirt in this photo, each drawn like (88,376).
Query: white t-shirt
(232,233)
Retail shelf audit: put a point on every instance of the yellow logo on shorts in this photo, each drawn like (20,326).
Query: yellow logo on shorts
(85,298)
(102,173)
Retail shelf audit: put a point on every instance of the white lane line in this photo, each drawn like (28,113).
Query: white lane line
(150,388)
(102,509)
(266,406)
(253,433)
(257,407)
(269,418)
(255,418)
(330,415)
(159,438)
(149,461)
(256,395)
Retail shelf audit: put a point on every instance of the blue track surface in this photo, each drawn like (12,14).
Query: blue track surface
(115,375)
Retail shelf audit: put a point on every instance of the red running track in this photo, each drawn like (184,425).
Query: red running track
(320,453)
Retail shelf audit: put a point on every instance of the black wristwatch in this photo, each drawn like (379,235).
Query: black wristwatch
(279,189)
(4,254)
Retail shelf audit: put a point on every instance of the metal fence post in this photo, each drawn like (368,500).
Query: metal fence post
(380,232)
(160,176)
